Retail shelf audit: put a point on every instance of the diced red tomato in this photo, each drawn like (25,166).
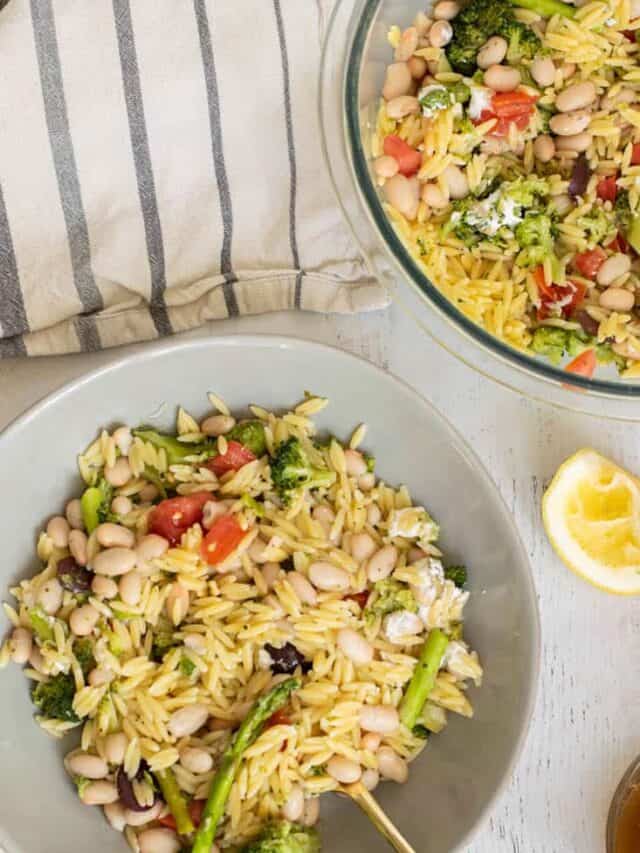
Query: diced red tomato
(173,517)
(280,718)
(619,244)
(409,160)
(509,108)
(236,456)
(588,263)
(635,154)
(360,598)
(223,538)
(557,299)
(584,364)
(196,807)
(607,188)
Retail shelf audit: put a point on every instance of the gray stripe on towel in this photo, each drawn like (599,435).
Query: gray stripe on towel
(142,162)
(293,171)
(55,105)
(213,101)
(13,317)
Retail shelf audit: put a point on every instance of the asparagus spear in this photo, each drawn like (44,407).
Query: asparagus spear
(95,504)
(547,8)
(176,451)
(174,799)
(248,732)
(424,677)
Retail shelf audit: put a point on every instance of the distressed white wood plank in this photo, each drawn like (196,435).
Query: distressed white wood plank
(583,734)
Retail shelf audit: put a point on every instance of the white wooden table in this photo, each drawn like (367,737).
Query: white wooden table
(586,726)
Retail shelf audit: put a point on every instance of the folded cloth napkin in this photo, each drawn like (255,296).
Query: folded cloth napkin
(160,166)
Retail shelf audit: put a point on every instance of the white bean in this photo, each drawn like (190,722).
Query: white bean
(366,481)
(543,71)
(311,811)
(354,646)
(374,514)
(177,603)
(197,642)
(158,841)
(626,350)
(58,531)
(73,513)
(568,124)
(294,806)
(130,587)
(20,645)
(440,34)
(119,473)
(402,106)
(217,425)
(123,439)
(614,267)
(432,195)
(188,720)
(196,760)
(270,573)
(422,23)
(114,561)
(370,779)
(87,765)
(371,742)
(415,554)
(363,546)
(148,493)
(99,676)
(115,747)
(544,148)
(403,194)
(456,182)
(354,463)
(36,660)
(302,588)
(576,97)
(328,577)
(623,96)
(382,563)
(407,45)
(397,81)
(502,78)
(381,719)
(385,166)
(212,511)
(446,10)
(78,546)
(121,505)
(617,299)
(577,142)
(417,67)
(257,549)
(492,52)
(141,818)
(391,765)
(115,536)
(634,9)
(104,587)
(114,813)
(50,596)
(150,547)
(83,620)
(343,770)
(99,793)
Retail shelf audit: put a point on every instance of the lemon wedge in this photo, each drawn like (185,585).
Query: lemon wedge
(591,513)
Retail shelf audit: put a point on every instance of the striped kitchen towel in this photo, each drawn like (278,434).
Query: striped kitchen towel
(160,166)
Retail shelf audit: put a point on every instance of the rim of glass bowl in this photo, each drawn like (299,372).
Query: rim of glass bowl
(362,19)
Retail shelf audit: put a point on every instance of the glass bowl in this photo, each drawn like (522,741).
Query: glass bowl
(355,55)
(629,781)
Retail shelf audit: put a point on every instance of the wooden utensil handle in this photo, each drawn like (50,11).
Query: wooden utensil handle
(383,824)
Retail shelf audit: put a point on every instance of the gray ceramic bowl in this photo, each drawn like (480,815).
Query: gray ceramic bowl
(454,783)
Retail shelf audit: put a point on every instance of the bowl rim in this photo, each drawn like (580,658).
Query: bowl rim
(162,349)
(530,366)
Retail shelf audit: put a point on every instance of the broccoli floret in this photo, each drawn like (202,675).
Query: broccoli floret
(458,223)
(54,697)
(163,641)
(253,505)
(391,595)
(370,462)
(577,343)
(251,434)
(460,91)
(550,342)
(420,731)
(436,99)
(83,650)
(528,192)
(457,574)
(42,624)
(622,209)
(544,113)
(596,225)
(535,236)
(96,504)
(523,43)
(187,666)
(291,471)
(284,837)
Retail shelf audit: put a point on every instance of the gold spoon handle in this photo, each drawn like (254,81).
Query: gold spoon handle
(378,818)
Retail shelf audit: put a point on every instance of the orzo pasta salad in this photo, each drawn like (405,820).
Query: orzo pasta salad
(508,149)
(237,618)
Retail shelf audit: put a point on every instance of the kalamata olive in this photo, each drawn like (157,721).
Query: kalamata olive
(588,324)
(286,658)
(579,176)
(74,578)
(125,788)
